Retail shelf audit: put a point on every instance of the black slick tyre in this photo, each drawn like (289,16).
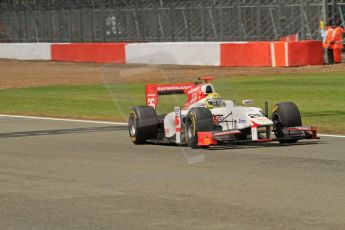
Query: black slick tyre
(199,119)
(285,114)
(142,124)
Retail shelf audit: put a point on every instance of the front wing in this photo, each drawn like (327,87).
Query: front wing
(229,137)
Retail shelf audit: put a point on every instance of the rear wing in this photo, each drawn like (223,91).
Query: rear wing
(192,90)
(153,90)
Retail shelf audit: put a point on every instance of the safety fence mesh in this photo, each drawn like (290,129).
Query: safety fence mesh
(157,20)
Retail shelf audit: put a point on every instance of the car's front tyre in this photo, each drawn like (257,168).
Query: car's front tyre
(199,119)
(285,114)
(142,124)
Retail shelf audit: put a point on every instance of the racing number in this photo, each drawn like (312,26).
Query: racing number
(151,102)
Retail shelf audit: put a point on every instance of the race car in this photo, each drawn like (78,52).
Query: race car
(206,119)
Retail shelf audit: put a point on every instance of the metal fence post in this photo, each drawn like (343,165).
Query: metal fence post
(258,19)
(333,11)
(117,24)
(92,29)
(188,20)
(70,25)
(302,11)
(26,26)
(81,26)
(325,11)
(203,20)
(172,22)
(142,21)
(103,18)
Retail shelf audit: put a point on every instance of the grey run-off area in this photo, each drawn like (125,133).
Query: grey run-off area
(76,175)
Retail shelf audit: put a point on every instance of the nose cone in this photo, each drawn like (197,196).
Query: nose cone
(261,121)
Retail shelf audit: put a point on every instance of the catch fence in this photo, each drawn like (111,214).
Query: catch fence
(161,20)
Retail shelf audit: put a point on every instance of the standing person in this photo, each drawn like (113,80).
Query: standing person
(337,42)
(327,39)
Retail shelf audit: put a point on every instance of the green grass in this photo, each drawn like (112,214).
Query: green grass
(320,97)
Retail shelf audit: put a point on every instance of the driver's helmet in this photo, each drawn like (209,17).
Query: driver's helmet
(213,100)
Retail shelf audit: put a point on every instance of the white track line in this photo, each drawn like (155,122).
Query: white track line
(331,135)
(110,123)
(63,119)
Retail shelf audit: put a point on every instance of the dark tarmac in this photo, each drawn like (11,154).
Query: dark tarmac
(75,175)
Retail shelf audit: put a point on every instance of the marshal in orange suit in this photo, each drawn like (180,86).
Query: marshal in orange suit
(337,42)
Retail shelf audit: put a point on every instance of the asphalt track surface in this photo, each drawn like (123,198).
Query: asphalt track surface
(74,175)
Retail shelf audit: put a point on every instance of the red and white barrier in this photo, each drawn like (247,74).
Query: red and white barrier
(245,54)
(296,53)
(279,54)
(25,51)
(89,52)
(305,53)
(177,53)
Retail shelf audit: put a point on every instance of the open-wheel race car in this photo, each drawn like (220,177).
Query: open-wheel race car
(206,119)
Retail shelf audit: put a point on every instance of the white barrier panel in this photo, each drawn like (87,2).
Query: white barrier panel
(178,53)
(25,51)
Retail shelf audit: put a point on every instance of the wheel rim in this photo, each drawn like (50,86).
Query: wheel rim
(278,126)
(132,126)
(276,119)
(190,129)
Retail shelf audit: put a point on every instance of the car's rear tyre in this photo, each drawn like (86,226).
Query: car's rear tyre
(142,124)
(285,114)
(199,119)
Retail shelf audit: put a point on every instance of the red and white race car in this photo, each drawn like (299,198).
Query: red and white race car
(206,119)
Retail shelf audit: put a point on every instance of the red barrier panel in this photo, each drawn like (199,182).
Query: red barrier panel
(89,52)
(305,53)
(246,54)
(278,54)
